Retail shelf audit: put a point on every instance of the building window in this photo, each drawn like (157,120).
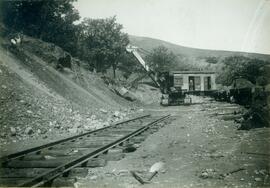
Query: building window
(178,80)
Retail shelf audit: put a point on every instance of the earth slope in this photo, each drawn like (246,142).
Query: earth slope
(37,100)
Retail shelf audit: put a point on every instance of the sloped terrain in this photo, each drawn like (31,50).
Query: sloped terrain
(39,99)
(147,94)
(149,43)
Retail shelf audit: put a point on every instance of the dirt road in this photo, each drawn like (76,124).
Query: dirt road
(200,148)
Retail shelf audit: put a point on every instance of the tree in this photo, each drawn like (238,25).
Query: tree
(161,59)
(128,64)
(236,67)
(211,60)
(51,21)
(103,42)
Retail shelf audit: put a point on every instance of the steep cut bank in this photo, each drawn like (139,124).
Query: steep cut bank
(40,95)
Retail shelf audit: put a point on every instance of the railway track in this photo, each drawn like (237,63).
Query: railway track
(40,166)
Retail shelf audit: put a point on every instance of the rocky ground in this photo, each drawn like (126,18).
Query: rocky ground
(39,102)
(201,147)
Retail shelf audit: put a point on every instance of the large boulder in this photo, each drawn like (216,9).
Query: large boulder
(64,62)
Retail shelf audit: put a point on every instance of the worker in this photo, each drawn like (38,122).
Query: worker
(232,100)
(16,40)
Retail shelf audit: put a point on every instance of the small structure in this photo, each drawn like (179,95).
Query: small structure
(194,80)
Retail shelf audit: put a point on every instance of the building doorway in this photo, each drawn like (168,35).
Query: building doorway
(191,83)
(207,83)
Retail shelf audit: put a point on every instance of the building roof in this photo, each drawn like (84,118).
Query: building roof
(192,72)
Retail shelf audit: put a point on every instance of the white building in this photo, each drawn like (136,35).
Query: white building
(194,80)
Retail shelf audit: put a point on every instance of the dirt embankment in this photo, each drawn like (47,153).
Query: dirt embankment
(45,92)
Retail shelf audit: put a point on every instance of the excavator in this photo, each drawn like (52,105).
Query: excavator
(172,93)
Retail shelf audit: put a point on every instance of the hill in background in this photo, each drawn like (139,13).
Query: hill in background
(150,43)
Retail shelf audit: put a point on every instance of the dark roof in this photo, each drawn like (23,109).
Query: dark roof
(192,72)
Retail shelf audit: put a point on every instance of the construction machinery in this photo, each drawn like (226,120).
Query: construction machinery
(169,83)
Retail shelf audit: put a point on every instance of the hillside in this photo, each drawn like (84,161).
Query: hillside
(149,43)
(39,100)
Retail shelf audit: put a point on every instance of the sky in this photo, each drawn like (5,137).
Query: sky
(234,25)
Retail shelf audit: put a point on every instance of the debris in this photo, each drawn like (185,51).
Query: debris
(29,130)
(204,175)
(115,150)
(122,172)
(256,117)
(103,110)
(13,131)
(106,124)
(2,135)
(87,127)
(136,145)
(263,172)
(140,110)
(73,130)
(116,114)
(22,101)
(29,111)
(258,179)
(63,182)
(93,117)
(96,162)
(43,131)
(163,171)
(138,178)
(265,179)
(129,148)
(57,126)
(123,91)
(155,168)
(252,153)
(77,185)
(144,156)
(231,172)
(48,157)
(256,172)
(207,173)
(93,177)
(216,155)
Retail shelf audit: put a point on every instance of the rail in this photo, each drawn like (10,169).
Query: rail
(46,177)
(20,154)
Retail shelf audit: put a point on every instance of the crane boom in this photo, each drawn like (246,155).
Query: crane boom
(140,59)
(134,51)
